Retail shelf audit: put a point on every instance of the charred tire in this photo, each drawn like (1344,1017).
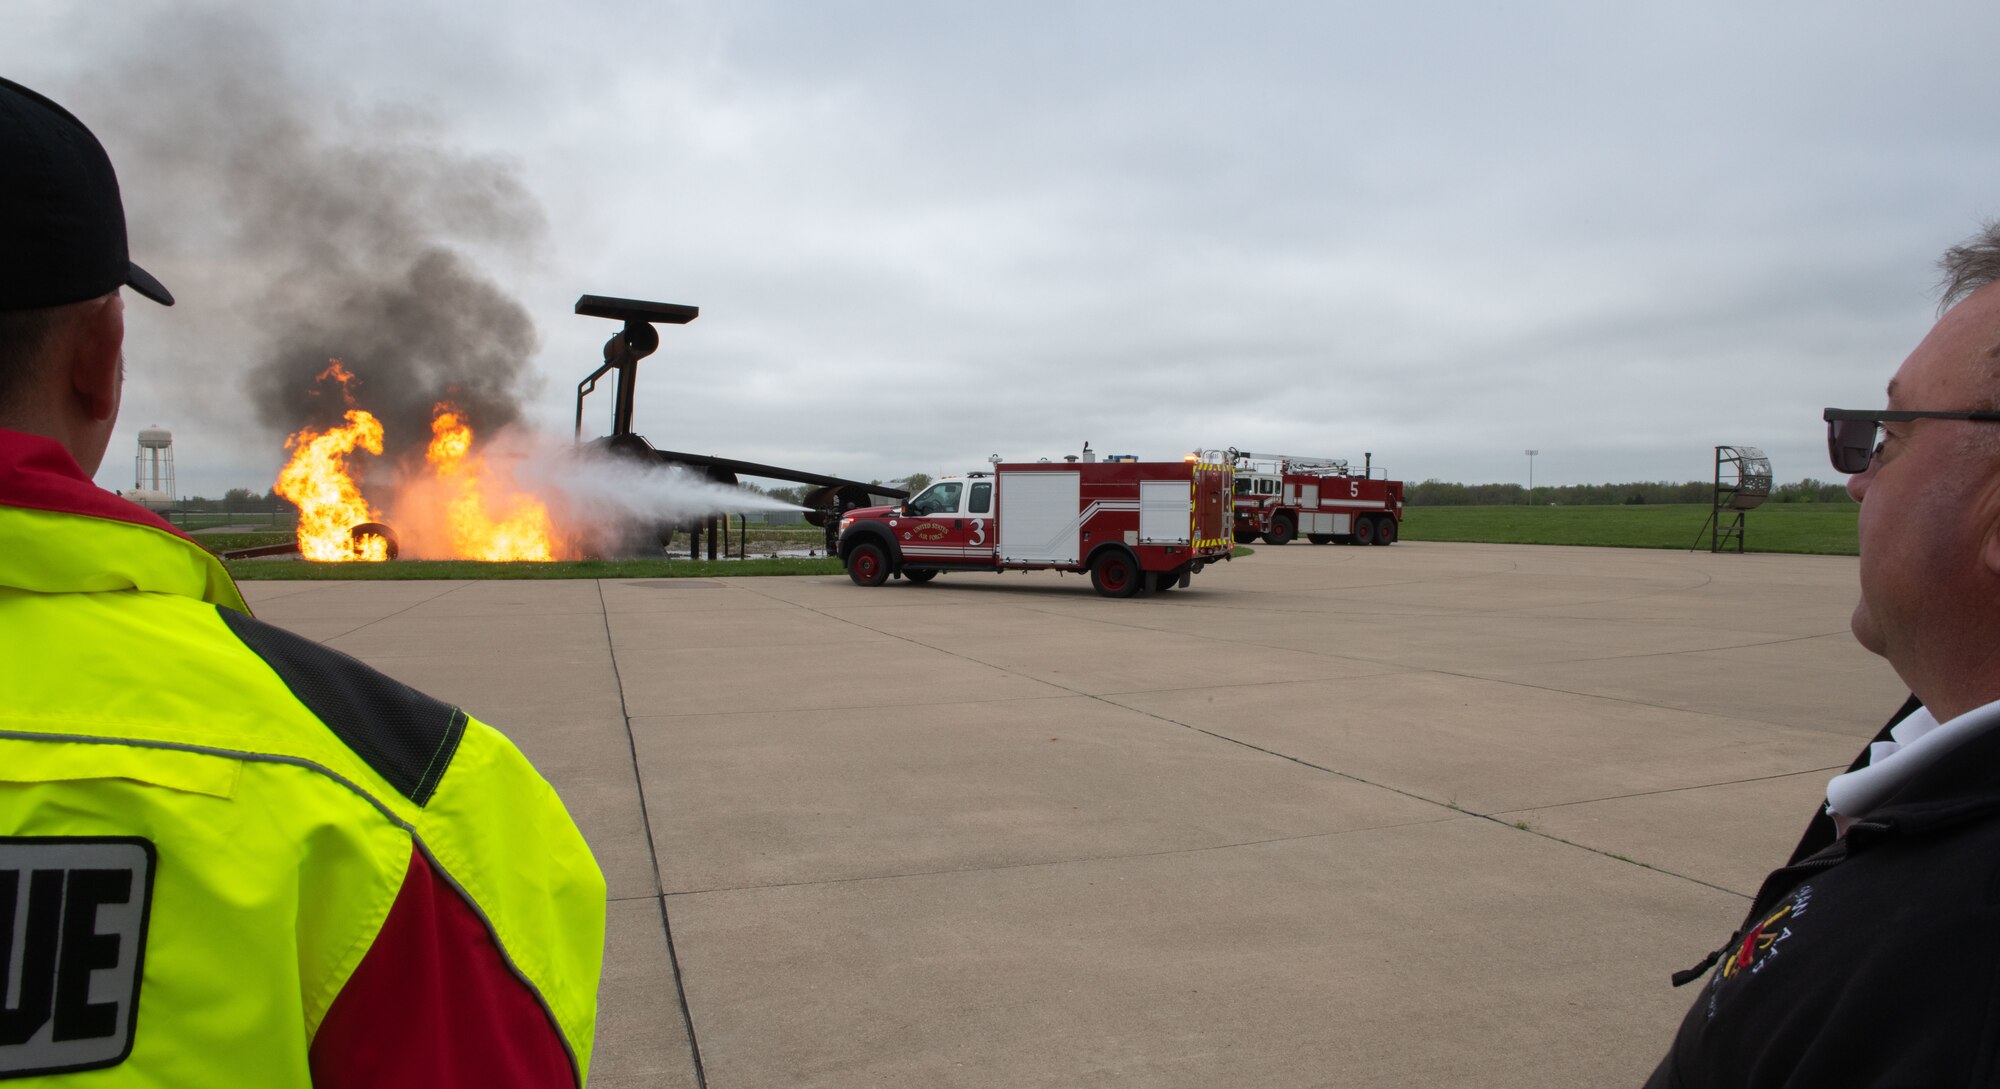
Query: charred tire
(919,577)
(376,529)
(1320,538)
(1115,573)
(1385,531)
(1283,529)
(867,566)
(1244,536)
(1364,531)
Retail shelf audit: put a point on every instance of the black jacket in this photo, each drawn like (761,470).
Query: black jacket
(1868,961)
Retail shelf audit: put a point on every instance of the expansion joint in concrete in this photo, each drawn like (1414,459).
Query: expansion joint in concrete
(1075,860)
(411,607)
(1517,825)
(652,852)
(1105,699)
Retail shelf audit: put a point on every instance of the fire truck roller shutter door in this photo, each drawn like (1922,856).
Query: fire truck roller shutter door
(1040,517)
(1309,496)
(1164,507)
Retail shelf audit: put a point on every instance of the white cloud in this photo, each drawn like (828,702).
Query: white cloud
(921,234)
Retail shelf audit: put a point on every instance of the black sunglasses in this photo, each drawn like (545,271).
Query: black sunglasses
(1853,435)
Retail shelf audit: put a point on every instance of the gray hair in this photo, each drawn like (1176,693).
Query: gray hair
(1970,265)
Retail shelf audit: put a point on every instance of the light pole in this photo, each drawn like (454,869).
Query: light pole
(1531,475)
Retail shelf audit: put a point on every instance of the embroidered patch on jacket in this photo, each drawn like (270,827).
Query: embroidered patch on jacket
(73,914)
(1761,945)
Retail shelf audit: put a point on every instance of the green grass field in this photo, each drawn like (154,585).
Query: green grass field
(760,541)
(401,570)
(1815,528)
(196,521)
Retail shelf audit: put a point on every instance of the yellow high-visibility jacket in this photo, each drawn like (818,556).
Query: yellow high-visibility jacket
(238,858)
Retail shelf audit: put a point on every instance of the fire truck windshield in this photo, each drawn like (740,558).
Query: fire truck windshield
(936,499)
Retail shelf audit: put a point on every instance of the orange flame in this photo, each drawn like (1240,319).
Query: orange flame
(341,375)
(447,507)
(521,533)
(330,504)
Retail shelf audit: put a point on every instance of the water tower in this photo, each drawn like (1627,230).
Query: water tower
(153,469)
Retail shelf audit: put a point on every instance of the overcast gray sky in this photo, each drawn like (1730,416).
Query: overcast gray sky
(922,233)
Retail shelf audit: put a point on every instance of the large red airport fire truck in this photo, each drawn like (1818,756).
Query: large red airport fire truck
(1282,496)
(1136,526)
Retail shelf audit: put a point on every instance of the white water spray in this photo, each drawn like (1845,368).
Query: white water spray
(612,503)
(593,484)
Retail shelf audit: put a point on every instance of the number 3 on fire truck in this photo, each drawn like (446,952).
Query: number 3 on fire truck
(979,531)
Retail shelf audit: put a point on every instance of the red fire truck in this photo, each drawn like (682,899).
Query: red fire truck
(1282,496)
(1136,526)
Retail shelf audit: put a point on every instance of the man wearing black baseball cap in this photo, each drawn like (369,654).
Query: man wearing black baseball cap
(62,261)
(301,871)
(64,236)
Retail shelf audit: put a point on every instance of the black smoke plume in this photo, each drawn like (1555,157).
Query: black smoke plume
(328,230)
(436,331)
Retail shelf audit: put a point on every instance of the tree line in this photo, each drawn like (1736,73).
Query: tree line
(236,500)
(1439,493)
(796,493)
(1430,493)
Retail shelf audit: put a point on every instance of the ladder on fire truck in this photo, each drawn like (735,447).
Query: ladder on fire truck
(1303,465)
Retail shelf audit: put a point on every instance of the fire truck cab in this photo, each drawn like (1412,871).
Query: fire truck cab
(1281,497)
(1137,527)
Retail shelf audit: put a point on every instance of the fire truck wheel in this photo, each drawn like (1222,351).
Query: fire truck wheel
(1116,574)
(1166,580)
(919,577)
(1320,538)
(1282,530)
(1364,531)
(867,566)
(1385,531)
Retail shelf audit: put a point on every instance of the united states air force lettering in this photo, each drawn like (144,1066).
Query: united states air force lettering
(73,944)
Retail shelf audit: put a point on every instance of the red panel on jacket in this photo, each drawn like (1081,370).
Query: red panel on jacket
(434,1006)
(39,473)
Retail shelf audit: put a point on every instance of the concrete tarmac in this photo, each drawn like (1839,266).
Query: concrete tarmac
(1434,814)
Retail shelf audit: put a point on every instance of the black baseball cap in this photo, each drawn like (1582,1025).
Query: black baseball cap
(62,225)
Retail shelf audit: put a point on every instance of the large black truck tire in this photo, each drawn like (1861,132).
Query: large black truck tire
(1116,574)
(867,566)
(1282,530)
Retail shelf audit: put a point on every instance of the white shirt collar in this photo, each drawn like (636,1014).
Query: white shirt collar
(1917,742)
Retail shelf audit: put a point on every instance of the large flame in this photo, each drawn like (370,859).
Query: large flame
(330,504)
(455,506)
(521,532)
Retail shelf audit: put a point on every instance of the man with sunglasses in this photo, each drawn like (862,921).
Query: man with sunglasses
(1873,957)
